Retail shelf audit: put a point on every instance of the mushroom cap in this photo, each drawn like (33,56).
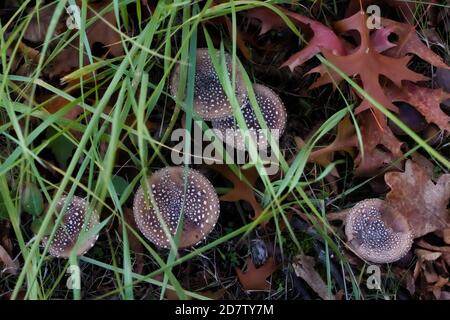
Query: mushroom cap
(210,99)
(70,228)
(173,192)
(377,232)
(272,109)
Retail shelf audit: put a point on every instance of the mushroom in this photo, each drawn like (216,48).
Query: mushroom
(172,192)
(70,228)
(210,99)
(272,110)
(377,232)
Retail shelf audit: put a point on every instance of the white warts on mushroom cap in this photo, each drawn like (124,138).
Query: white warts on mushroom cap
(272,110)
(210,99)
(377,232)
(71,227)
(173,192)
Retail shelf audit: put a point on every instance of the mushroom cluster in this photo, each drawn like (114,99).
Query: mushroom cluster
(377,232)
(273,112)
(73,225)
(173,193)
(212,104)
(210,99)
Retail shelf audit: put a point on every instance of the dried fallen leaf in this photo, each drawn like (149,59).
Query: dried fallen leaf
(375,133)
(256,278)
(426,101)
(442,77)
(427,255)
(101,31)
(323,39)
(419,199)
(446,235)
(241,190)
(9,265)
(409,42)
(304,268)
(36,30)
(370,65)
(269,19)
(322,36)
(345,140)
(422,243)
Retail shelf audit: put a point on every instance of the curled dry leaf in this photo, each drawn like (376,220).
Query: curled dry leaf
(378,65)
(446,235)
(426,101)
(7,264)
(426,255)
(375,132)
(370,65)
(304,268)
(345,140)
(38,26)
(419,199)
(256,278)
(409,42)
(241,190)
(268,19)
(442,78)
(323,37)
(101,31)
(422,243)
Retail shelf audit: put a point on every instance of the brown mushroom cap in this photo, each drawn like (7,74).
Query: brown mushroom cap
(210,99)
(272,109)
(174,192)
(70,228)
(377,232)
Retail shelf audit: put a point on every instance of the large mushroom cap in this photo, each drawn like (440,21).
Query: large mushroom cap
(377,232)
(174,192)
(71,227)
(272,110)
(210,99)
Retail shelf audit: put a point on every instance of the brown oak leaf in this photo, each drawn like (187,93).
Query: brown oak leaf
(409,42)
(419,199)
(345,140)
(241,190)
(7,264)
(304,268)
(101,31)
(256,278)
(380,144)
(425,100)
(368,64)
(322,36)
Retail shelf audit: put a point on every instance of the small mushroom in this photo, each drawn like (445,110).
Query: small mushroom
(70,228)
(377,232)
(210,99)
(272,110)
(173,193)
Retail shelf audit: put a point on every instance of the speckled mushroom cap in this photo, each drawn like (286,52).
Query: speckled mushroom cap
(174,192)
(210,100)
(272,109)
(70,228)
(377,232)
